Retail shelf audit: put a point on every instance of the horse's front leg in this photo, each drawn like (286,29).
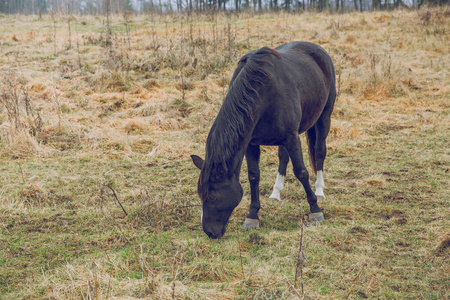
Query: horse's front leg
(252,155)
(294,149)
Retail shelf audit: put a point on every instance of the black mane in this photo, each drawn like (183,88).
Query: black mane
(235,115)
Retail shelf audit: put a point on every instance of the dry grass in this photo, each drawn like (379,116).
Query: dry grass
(78,114)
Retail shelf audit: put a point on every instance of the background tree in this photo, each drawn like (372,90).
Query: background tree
(161,6)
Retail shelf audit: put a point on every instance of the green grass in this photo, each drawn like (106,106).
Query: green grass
(385,228)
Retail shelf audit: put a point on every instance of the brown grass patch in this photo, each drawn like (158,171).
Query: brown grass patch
(136,126)
(33,195)
(19,144)
(143,145)
(443,247)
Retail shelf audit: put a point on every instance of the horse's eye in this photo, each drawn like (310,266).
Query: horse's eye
(211,198)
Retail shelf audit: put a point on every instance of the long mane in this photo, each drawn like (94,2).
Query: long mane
(236,112)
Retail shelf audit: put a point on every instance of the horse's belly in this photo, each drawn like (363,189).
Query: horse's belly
(267,141)
(268,134)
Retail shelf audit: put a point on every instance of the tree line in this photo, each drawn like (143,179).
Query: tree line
(148,6)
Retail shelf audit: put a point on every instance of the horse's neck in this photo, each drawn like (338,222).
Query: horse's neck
(228,146)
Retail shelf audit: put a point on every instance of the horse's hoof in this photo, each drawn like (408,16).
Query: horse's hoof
(316,217)
(250,224)
(275,195)
(320,198)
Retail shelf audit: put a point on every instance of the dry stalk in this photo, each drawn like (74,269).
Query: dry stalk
(339,80)
(102,191)
(54,31)
(300,258)
(108,41)
(240,253)
(373,67)
(214,42)
(223,85)
(58,108)
(88,290)
(295,290)
(175,274)
(10,99)
(183,88)
(115,196)
(19,109)
(96,283)
(70,32)
(108,289)
(26,99)
(191,36)
(248,33)
(144,266)
(230,40)
(356,282)
(80,65)
(127,18)
(4,226)
(22,174)
(173,280)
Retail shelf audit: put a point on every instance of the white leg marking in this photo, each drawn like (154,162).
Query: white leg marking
(202,213)
(320,184)
(278,186)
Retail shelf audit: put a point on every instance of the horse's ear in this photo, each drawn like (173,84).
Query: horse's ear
(198,161)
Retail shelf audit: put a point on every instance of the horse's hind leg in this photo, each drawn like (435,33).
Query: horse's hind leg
(318,149)
(283,156)
(294,149)
(322,128)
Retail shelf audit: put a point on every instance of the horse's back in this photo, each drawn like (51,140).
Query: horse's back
(301,82)
(302,50)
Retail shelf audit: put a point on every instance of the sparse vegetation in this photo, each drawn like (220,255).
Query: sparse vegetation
(113,117)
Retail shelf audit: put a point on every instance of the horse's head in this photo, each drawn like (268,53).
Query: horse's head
(220,195)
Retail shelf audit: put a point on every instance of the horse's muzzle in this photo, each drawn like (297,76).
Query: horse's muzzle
(215,235)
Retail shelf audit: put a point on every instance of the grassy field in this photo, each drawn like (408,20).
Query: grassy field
(94,113)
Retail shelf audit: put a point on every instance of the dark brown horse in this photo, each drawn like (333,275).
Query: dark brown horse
(274,95)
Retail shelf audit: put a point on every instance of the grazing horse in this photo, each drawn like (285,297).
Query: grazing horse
(274,95)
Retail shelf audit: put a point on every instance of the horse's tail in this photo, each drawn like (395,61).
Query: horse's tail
(311,139)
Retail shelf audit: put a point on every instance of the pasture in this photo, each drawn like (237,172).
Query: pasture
(95,112)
